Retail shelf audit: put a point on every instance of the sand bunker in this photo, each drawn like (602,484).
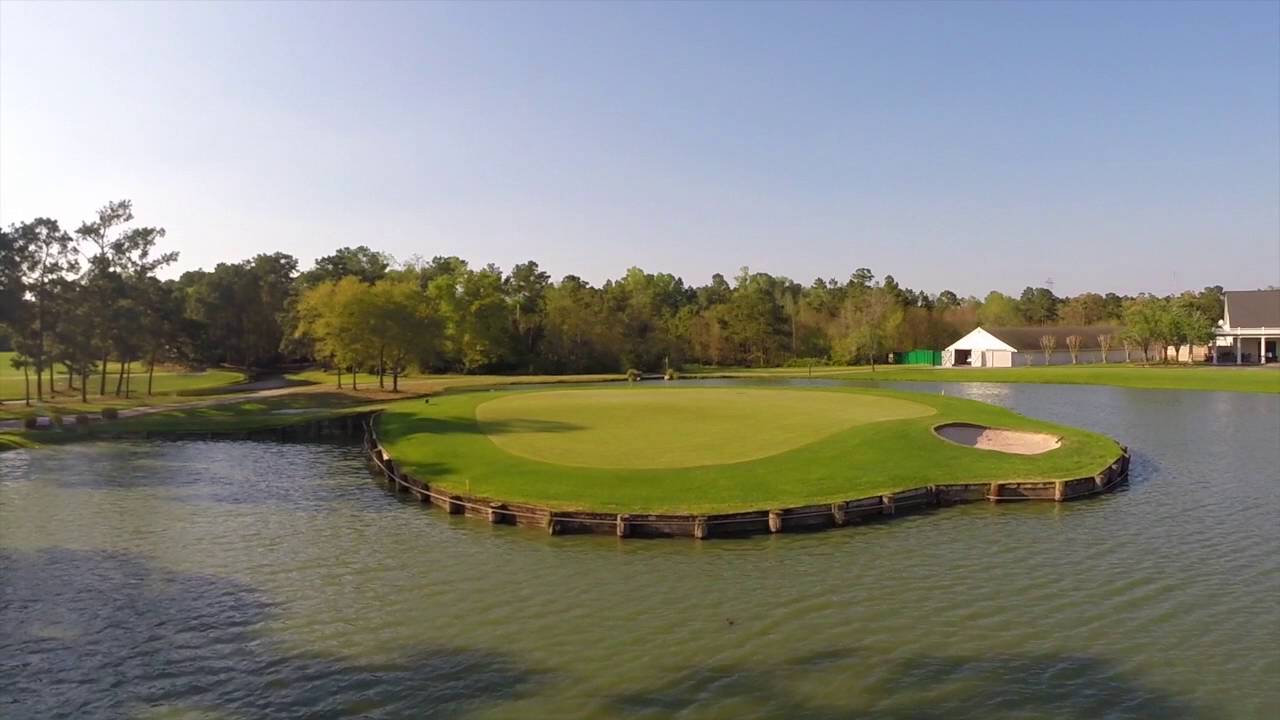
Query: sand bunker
(1006,441)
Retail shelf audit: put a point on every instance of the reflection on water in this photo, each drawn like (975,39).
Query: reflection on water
(249,579)
(125,635)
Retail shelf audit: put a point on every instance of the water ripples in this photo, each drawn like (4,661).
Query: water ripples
(255,579)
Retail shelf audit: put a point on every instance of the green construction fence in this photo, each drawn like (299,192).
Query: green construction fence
(920,357)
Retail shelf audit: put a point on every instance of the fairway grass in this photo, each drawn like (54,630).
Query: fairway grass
(678,450)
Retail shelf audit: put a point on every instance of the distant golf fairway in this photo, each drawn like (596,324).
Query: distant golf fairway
(642,449)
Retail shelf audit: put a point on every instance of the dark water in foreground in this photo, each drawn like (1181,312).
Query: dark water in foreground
(249,580)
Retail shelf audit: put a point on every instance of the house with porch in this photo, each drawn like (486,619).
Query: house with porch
(1249,330)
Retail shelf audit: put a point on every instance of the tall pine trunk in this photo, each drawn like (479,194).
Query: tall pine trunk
(128,375)
(354,375)
(39,382)
(339,377)
(120,377)
(151,371)
(102,387)
(84,385)
(382,365)
(26,377)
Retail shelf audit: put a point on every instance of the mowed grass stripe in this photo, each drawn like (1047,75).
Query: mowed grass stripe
(636,427)
(443,443)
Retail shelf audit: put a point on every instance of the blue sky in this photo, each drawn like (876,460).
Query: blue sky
(1108,146)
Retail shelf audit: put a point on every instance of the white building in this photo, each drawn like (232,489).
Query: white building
(1018,346)
(1250,327)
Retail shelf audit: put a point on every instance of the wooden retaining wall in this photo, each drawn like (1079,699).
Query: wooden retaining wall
(792,519)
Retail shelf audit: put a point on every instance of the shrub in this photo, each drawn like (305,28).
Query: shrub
(56,419)
(633,375)
(29,422)
(82,419)
(110,413)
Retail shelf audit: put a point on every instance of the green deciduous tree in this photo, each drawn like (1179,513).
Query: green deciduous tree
(871,322)
(998,310)
(331,315)
(404,326)
(1146,322)
(1083,310)
(47,258)
(1038,306)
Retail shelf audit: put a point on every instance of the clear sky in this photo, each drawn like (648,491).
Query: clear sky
(1108,146)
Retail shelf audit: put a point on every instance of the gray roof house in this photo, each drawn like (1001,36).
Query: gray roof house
(1250,327)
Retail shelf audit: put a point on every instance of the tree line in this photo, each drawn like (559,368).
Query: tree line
(77,300)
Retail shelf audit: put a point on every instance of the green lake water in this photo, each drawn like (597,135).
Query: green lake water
(255,579)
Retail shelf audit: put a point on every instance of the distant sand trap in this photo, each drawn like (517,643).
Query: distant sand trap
(1006,441)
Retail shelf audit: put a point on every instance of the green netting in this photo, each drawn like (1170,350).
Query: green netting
(921,357)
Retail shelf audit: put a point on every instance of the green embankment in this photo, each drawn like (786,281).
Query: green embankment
(444,443)
(1152,377)
(251,414)
(423,383)
(243,416)
(16,441)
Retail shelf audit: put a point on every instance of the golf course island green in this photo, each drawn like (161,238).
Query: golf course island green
(679,449)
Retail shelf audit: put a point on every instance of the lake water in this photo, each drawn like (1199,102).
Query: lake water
(251,580)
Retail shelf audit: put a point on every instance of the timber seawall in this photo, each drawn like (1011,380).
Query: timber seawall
(702,526)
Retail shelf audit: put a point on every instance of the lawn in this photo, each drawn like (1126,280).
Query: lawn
(168,381)
(250,414)
(709,450)
(236,416)
(432,383)
(1156,377)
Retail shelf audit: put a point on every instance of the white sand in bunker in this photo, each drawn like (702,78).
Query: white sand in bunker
(1006,441)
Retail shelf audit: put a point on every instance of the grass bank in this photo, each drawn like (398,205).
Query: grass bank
(235,417)
(16,441)
(431,384)
(445,443)
(1152,377)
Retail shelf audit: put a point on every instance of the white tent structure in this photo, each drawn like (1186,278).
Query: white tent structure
(1018,346)
(978,349)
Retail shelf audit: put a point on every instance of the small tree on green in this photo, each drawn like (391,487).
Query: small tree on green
(1047,343)
(1104,345)
(1073,346)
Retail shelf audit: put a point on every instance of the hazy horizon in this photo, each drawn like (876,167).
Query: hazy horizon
(971,147)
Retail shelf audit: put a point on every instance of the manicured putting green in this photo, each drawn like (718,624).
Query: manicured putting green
(675,428)
(636,449)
